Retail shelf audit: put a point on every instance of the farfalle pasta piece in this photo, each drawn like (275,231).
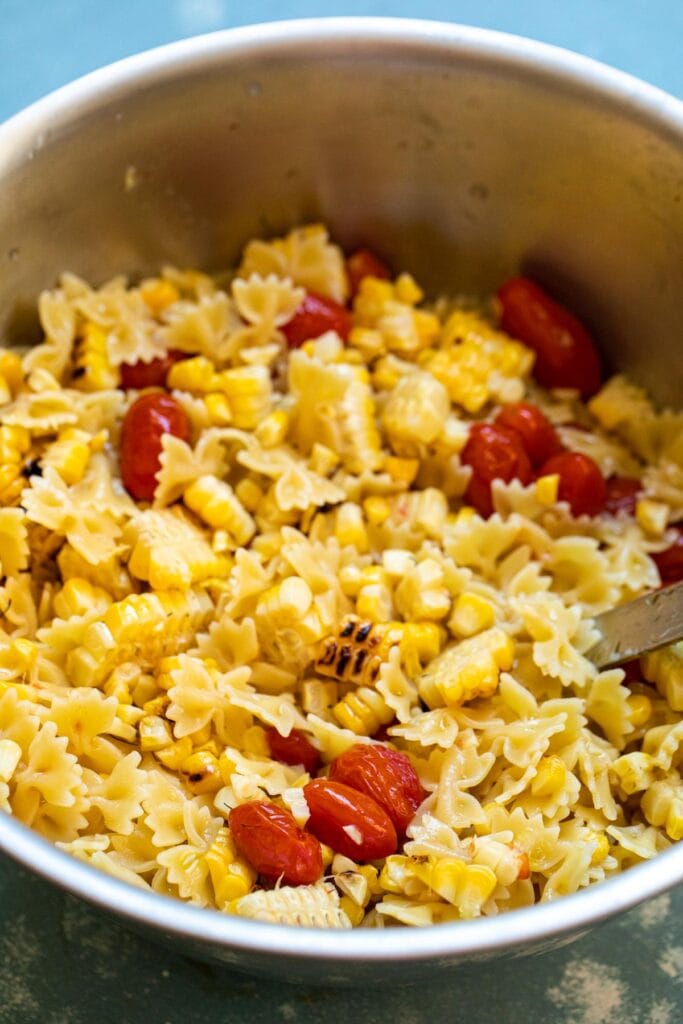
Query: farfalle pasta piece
(266,304)
(168,551)
(305,255)
(664,668)
(118,796)
(607,704)
(198,693)
(662,805)
(556,632)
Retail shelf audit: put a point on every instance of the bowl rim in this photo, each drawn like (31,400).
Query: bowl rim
(512,930)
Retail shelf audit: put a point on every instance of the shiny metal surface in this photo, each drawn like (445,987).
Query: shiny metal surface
(461,153)
(639,626)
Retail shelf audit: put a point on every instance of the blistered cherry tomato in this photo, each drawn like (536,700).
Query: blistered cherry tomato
(316,315)
(670,562)
(537,434)
(566,356)
(582,484)
(495,453)
(621,494)
(350,822)
(365,263)
(149,375)
(384,774)
(150,417)
(270,839)
(293,749)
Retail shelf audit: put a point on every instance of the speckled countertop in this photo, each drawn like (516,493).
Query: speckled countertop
(62,962)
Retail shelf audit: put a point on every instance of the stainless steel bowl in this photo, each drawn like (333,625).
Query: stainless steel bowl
(461,153)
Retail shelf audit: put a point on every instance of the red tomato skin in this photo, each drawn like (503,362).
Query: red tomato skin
(316,315)
(536,432)
(670,561)
(622,492)
(582,484)
(151,416)
(293,749)
(566,356)
(385,775)
(365,263)
(494,452)
(270,839)
(149,375)
(334,806)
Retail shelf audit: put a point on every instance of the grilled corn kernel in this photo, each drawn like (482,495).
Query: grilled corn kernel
(201,772)
(664,668)
(374,602)
(175,755)
(11,370)
(318,696)
(216,503)
(402,470)
(377,510)
(218,409)
(273,429)
(350,527)
(416,410)
(158,293)
(652,516)
(69,454)
(635,771)
(639,709)
(353,911)
(322,459)
(551,776)
(154,733)
(547,488)
(197,375)
(601,847)
(397,562)
(79,596)
(467,670)
(472,613)
(93,372)
(231,876)
(363,711)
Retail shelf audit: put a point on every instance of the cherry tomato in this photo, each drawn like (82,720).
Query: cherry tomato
(537,434)
(384,774)
(149,375)
(621,495)
(150,417)
(494,452)
(566,356)
(582,484)
(270,839)
(350,822)
(670,562)
(364,263)
(315,315)
(293,749)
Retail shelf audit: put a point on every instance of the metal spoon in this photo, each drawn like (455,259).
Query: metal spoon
(643,625)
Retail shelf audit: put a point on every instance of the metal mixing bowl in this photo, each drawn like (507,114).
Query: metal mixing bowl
(462,154)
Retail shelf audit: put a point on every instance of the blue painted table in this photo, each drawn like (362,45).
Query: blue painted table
(62,962)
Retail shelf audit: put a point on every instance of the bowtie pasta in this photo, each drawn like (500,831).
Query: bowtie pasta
(298,581)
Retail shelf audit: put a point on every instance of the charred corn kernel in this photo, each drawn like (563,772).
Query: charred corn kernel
(472,613)
(353,910)
(202,773)
(129,714)
(118,687)
(547,488)
(287,623)
(467,670)
(639,709)
(422,594)
(218,409)
(416,410)
(350,527)
(110,575)
(376,510)
(662,805)
(273,429)
(249,493)
(664,668)
(601,847)
(173,756)
(356,651)
(318,696)
(363,711)
(231,876)
(157,705)
(350,580)
(635,771)
(407,290)
(652,516)
(403,471)
(396,875)
(227,768)
(396,562)
(322,459)
(368,342)
(254,741)
(216,503)
(145,691)
(154,733)
(140,628)
(78,597)
(15,443)
(69,454)
(158,293)
(466,886)
(11,370)
(551,776)
(165,667)
(249,392)
(374,602)
(10,756)
(197,375)
(93,371)
(202,736)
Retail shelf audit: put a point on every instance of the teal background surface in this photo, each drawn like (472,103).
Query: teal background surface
(62,962)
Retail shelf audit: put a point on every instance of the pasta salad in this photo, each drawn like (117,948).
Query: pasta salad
(299,575)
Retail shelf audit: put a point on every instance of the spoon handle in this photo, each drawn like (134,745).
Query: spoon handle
(643,625)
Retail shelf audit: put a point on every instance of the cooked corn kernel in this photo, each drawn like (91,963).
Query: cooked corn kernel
(472,613)
(202,773)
